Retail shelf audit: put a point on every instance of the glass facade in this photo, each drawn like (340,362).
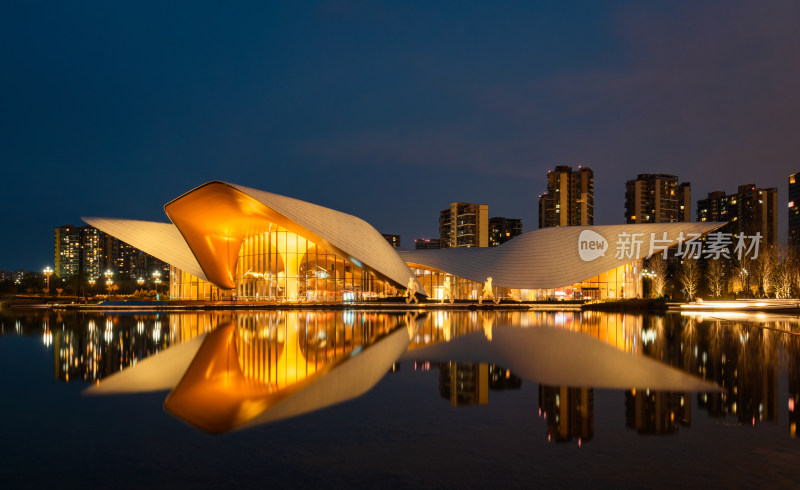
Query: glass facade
(280,265)
(184,286)
(433,281)
(622,282)
(321,276)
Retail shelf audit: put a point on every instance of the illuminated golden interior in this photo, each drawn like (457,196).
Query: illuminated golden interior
(621,282)
(279,265)
(250,252)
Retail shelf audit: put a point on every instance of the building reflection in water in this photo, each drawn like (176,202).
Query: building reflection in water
(464,383)
(569,412)
(266,366)
(793,348)
(657,412)
(280,349)
(96,346)
(741,357)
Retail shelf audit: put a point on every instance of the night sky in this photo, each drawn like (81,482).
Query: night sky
(389,111)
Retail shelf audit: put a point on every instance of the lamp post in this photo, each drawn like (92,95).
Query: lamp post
(157,280)
(47,272)
(109,282)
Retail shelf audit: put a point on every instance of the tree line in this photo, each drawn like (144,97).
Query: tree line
(774,273)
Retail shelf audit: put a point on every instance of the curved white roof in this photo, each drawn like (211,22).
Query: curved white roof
(549,257)
(161,240)
(352,236)
(225,206)
(226,213)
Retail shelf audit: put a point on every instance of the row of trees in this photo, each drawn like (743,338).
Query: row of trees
(773,273)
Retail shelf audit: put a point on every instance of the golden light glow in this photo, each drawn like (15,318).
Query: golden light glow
(241,371)
(217,395)
(216,219)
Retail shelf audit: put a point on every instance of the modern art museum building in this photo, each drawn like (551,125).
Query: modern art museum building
(227,241)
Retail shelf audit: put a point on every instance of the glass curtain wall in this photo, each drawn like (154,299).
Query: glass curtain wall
(281,266)
(622,282)
(184,286)
(619,283)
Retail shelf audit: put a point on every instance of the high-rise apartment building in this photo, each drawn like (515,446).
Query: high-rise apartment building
(87,250)
(569,199)
(143,265)
(464,224)
(794,210)
(426,243)
(68,251)
(657,198)
(502,230)
(118,255)
(394,240)
(93,260)
(751,210)
(715,207)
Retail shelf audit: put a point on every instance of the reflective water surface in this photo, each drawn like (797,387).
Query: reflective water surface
(397,398)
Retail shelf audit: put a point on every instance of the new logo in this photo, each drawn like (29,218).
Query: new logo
(591,245)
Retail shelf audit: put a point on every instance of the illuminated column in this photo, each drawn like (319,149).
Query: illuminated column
(292,251)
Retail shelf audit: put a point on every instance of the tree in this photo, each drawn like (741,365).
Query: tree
(742,273)
(715,276)
(763,270)
(784,276)
(658,276)
(76,283)
(794,274)
(689,277)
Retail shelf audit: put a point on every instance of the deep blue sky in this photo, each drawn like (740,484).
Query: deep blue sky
(388,111)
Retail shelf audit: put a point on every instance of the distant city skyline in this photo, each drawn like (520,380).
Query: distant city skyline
(388,112)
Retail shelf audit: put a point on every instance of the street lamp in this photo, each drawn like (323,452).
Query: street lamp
(47,272)
(109,282)
(157,279)
(140,281)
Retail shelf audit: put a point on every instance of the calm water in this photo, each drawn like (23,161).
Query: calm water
(392,399)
